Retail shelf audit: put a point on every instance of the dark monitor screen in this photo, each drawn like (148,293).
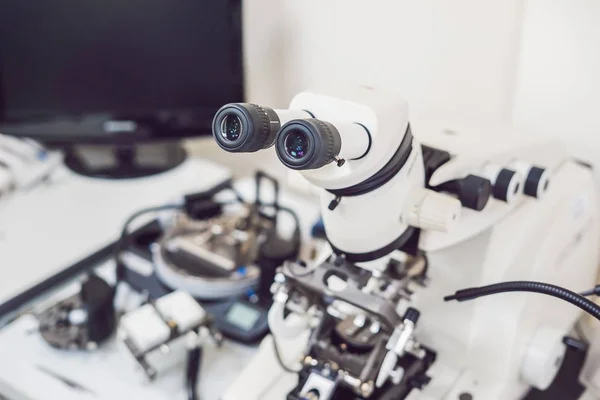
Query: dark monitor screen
(147,60)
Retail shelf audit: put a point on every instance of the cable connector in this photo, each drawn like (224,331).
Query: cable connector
(592,292)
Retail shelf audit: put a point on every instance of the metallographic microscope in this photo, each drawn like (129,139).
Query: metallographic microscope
(414,212)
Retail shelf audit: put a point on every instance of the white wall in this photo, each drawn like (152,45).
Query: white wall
(534,62)
(558,90)
(446,57)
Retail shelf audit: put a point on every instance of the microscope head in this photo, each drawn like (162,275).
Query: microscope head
(335,139)
(357,145)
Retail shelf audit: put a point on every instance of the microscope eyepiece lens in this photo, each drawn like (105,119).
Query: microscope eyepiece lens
(307,144)
(245,127)
(297,145)
(231,127)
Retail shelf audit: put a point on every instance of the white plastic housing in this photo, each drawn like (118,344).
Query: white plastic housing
(145,328)
(427,209)
(286,115)
(543,357)
(355,140)
(182,309)
(373,220)
(369,222)
(384,115)
(490,348)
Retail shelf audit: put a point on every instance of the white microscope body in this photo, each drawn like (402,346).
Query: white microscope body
(380,193)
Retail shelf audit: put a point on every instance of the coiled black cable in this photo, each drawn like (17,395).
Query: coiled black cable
(533,287)
(120,244)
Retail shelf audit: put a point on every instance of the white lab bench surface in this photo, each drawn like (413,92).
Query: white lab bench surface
(48,229)
(106,373)
(66,219)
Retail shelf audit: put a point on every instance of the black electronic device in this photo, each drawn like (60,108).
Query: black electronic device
(81,321)
(211,254)
(119,74)
(240,320)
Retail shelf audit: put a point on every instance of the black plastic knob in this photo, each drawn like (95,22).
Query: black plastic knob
(412,314)
(503,185)
(474,192)
(534,184)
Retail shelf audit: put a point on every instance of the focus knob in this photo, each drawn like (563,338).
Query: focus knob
(432,210)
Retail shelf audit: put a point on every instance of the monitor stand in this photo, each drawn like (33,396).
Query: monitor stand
(124,161)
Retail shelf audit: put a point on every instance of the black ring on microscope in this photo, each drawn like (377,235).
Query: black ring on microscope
(533,181)
(376,254)
(368,146)
(385,174)
(502,184)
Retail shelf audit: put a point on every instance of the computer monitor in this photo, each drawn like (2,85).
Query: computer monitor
(117,71)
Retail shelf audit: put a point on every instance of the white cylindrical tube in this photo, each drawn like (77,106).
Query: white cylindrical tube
(430,210)
(286,115)
(356,140)
(282,327)
(507,183)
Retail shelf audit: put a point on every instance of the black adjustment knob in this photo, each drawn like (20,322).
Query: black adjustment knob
(474,192)
(98,296)
(245,127)
(536,182)
(412,314)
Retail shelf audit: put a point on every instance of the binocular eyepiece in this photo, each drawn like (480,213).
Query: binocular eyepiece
(245,127)
(308,144)
(301,141)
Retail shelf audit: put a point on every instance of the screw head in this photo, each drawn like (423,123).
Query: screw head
(366,389)
(91,346)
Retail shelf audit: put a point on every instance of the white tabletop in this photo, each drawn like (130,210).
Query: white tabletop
(107,371)
(59,223)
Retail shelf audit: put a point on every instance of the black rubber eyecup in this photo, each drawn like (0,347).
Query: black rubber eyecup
(228,111)
(322,139)
(257,131)
(281,144)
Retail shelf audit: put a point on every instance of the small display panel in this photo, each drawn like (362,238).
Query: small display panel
(242,315)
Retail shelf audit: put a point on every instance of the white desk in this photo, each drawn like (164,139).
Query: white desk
(107,371)
(60,223)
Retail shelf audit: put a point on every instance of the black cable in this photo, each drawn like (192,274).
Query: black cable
(120,244)
(238,195)
(296,238)
(120,270)
(192,370)
(534,287)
